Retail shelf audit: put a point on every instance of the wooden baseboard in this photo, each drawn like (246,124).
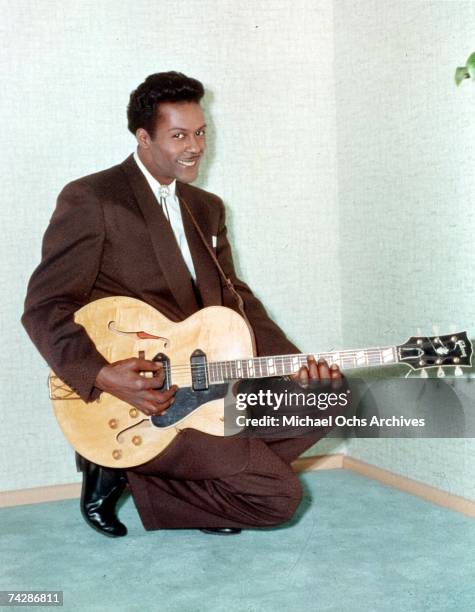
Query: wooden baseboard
(419,489)
(319,462)
(39,495)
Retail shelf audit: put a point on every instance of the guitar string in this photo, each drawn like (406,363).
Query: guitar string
(373,354)
(282,360)
(372,357)
(279,360)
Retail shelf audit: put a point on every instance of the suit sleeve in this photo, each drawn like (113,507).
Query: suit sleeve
(270,339)
(62,283)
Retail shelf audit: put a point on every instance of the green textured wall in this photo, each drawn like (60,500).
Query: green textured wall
(340,145)
(66,74)
(406,186)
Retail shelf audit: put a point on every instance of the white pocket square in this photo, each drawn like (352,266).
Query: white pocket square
(214,241)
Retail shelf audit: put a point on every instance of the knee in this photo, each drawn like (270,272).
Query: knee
(284,503)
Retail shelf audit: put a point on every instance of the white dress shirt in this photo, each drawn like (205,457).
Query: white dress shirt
(174,213)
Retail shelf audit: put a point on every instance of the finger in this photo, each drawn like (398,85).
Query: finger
(160,397)
(335,372)
(312,367)
(153,382)
(161,407)
(323,369)
(303,377)
(145,365)
(336,377)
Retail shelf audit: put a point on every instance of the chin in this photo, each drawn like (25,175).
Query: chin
(187,177)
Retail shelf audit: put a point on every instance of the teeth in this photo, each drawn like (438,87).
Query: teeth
(187,163)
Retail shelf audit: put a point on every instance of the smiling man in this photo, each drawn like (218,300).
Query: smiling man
(128,231)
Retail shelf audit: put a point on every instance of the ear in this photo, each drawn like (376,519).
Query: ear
(143,138)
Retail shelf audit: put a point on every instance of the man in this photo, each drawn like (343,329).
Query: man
(128,231)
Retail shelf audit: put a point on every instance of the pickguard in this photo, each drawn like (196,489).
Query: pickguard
(186,401)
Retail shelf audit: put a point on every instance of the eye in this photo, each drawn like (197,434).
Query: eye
(200,133)
(179,135)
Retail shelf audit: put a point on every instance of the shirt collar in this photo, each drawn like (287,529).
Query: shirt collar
(152,181)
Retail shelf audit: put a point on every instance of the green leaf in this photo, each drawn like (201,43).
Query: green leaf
(471,65)
(460,74)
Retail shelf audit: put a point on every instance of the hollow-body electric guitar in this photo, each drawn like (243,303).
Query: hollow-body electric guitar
(201,355)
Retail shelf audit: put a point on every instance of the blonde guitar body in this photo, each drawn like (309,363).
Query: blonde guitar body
(203,355)
(112,433)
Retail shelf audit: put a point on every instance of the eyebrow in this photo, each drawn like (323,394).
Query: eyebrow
(185,130)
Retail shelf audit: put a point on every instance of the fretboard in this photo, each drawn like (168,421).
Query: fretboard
(284,365)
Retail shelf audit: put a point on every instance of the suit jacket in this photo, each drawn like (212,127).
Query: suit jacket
(108,236)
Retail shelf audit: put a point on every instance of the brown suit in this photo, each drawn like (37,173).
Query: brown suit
(108,236)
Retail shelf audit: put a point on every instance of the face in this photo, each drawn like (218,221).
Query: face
(174,150)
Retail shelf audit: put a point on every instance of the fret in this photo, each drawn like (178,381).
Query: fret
(360,358)
(250,363)
(348,361)
(374,358)
(388,355)
(270,366)
(281,365)
(263,367)
(295,364)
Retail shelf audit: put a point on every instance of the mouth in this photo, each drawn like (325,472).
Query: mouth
(188,163)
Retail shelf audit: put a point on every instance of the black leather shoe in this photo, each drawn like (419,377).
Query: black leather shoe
(222,531)
(101,489)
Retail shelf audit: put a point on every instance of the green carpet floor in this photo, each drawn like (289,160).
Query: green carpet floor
(355,545)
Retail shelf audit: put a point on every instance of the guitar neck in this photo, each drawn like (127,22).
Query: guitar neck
(284,365)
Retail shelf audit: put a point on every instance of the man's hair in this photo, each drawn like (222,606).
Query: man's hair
(160,87)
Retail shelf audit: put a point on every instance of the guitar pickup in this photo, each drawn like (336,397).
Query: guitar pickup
(165,361)
(199,371)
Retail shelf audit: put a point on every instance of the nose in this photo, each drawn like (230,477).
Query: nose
(194,145)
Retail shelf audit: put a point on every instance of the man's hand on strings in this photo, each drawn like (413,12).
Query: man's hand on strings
(124,380)
(317,371)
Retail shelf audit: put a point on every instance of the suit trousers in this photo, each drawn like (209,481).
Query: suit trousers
(201,481)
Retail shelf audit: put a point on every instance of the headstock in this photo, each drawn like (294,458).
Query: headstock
(436,351)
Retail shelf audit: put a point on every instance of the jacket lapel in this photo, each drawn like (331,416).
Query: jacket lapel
(168,254)
(208,278)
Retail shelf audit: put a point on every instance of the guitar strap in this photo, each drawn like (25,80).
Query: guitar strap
(227,281)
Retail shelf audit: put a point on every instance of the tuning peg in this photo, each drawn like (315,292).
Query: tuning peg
(458,371)
(440,373)
(424,373)
(418,332)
